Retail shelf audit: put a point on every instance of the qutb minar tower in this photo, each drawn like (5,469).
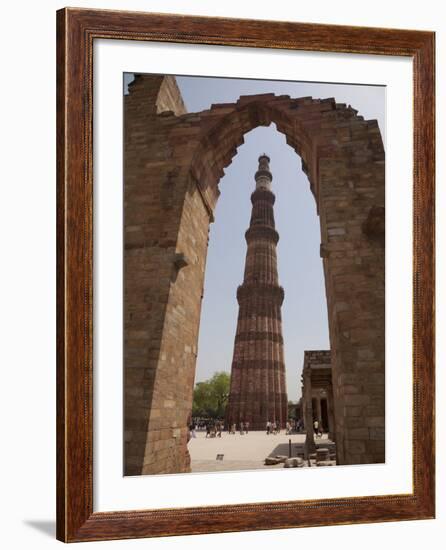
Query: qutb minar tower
(258,386)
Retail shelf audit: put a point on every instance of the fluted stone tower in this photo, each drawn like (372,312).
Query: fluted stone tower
(258,386)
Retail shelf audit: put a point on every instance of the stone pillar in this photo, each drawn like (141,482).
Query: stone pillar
(330,411)
(156,270)
(310,446)
(354,265)
(319,411)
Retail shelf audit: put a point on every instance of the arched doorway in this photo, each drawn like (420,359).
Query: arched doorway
(173,165)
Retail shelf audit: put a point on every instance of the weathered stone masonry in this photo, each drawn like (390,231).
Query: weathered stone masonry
(173,163)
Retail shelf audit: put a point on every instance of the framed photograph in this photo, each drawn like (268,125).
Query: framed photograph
(245,275)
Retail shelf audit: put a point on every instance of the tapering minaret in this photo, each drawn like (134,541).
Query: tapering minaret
(258,387)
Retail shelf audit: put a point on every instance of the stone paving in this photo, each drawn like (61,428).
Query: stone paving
(242,452)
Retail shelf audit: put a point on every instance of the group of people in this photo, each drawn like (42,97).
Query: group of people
(243,428)
(214,428)
(272,428)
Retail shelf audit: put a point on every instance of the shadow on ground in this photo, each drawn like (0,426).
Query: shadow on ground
(298,448)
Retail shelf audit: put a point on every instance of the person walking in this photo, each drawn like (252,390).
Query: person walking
(316,428)
(246,427)
(268,427)
(241,428)
(192,426)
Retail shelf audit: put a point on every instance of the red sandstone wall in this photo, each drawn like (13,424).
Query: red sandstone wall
(159,371)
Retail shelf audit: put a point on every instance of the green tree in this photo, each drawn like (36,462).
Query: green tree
(211,396)
(202,399)
(292,410)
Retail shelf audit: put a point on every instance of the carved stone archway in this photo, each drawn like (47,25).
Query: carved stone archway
(173,163)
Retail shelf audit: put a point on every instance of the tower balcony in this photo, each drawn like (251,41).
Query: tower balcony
(260,292)
(263,195)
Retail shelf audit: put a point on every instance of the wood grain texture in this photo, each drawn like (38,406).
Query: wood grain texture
(76,31)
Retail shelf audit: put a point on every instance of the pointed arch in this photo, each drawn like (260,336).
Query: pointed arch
(171,195)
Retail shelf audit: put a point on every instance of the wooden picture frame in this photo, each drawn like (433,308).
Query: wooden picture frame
(76,31)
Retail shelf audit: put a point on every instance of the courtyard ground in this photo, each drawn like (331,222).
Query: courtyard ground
(242,452)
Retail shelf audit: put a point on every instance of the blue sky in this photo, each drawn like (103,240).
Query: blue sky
(304,311)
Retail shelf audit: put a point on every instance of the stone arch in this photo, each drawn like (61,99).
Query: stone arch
(343,157)
(315,129)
